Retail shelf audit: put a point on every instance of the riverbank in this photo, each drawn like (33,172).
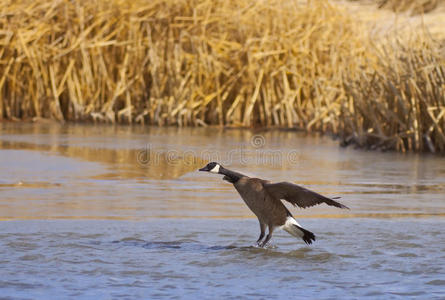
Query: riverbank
(317,66)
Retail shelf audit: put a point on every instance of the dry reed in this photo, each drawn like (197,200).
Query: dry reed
(414,7)
(239,63)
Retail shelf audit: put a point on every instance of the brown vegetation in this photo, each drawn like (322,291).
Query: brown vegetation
(239,63)
(412,6)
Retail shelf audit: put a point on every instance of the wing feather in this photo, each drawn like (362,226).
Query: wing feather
(298,196)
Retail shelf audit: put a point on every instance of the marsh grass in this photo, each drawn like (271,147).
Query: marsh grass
(237,63)
(414,7)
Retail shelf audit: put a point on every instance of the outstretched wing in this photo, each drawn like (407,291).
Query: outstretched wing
(298,196)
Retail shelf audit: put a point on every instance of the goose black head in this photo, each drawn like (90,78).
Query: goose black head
(212,167)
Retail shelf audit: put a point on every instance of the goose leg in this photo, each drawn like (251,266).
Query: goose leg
(268,237)
(263,230)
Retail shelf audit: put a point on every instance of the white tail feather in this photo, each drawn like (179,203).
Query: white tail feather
(291,227)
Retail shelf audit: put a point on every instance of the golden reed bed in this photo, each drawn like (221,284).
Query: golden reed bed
(246,63)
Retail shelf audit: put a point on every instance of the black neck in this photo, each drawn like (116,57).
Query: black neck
(230,176)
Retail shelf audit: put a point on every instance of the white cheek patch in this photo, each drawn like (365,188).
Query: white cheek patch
(215,169)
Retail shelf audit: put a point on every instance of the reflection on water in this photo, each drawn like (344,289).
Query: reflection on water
(118,172)
(193,233)
(124,163)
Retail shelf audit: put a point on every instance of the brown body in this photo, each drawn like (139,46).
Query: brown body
(268,211)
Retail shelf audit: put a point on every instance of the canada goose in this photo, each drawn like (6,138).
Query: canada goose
(264,200)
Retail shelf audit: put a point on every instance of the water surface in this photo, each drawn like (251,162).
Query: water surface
(121,212)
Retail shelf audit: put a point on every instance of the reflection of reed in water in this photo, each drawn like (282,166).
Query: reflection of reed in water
(123,163)
(127,163)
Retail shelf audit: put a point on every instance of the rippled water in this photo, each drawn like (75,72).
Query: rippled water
(120,212)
